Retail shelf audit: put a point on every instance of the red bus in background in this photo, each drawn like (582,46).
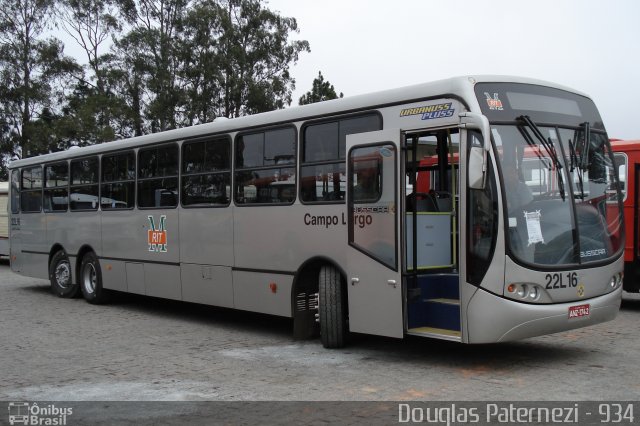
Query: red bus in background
(626,155)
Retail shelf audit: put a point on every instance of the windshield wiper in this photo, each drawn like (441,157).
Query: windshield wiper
(548,146)
(575,164)
(584,154)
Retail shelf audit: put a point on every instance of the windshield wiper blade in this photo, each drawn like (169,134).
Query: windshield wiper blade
(584,154)
(548,146)
(532,144)
(575,164)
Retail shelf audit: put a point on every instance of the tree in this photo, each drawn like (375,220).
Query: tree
(321,91)
(91,23)
(32,71)
(157,36)
(255,55)
(186,62)
(201,69)
(172,63)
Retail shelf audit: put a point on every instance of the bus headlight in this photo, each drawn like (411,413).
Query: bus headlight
(615,281)
(526,292)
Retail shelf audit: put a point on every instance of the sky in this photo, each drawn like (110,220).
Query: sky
(363,46)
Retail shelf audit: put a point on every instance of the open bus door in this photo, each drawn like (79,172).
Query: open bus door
(373,273)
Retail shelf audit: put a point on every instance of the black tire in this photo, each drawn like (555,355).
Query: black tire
(332,308)
(90,280)
(62,284)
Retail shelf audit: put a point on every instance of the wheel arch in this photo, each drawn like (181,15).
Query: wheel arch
(81,253)
(305,284)
(54,249)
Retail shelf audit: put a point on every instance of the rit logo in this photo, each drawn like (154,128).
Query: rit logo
(157,236)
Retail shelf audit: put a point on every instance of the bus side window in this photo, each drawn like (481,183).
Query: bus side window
(56,193)
(265,167)
(15,191)
(322,173)
(206,173)
(158,176)
(118,181)
(84,184)
(482,220)
(31,190)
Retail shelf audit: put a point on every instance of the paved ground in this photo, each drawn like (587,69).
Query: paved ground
(140,348)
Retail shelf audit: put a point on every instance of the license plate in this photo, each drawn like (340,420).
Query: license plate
(579,311)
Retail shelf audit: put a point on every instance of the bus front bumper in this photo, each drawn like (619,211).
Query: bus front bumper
(495,319)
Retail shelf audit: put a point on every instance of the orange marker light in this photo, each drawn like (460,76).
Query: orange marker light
(511,288)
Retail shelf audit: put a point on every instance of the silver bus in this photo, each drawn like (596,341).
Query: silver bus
(319,213)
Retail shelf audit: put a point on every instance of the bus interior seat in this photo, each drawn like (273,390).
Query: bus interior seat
(444,204)
(426,203)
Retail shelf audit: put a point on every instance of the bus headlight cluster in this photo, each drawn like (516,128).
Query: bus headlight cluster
(525,292)
(615,281)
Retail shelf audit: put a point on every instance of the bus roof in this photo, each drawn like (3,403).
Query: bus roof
(456,87)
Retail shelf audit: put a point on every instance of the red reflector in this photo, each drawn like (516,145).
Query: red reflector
(273,287)
(579,311)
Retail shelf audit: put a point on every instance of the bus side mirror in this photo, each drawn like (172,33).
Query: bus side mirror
(477,164)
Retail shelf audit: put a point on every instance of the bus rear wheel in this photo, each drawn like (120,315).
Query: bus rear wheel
(62,284)
(91,280)
(332,308)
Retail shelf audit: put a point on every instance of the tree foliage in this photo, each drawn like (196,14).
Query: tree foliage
(34,76)
(321,91)
(149,65)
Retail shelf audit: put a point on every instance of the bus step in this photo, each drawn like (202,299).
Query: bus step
(444,301)
(438,312)
(440,333)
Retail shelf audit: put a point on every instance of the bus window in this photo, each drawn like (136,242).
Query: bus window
(323,177)
(158,177)
(264,172)
(367,179)
(206,173)
(482,222)
(31,194)
(84,184)
(118,181)
(15,191)
(56,193)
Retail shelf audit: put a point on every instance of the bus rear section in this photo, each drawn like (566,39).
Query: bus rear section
(626,155)
(4,219)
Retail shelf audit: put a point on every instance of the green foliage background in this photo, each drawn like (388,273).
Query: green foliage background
(148,66)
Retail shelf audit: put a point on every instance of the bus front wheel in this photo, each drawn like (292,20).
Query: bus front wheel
(60,276)
(332,308)
(91,280)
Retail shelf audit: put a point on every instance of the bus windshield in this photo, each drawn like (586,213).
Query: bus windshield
(560,189)
(560,194)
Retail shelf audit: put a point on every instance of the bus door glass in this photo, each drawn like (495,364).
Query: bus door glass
(373,277)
